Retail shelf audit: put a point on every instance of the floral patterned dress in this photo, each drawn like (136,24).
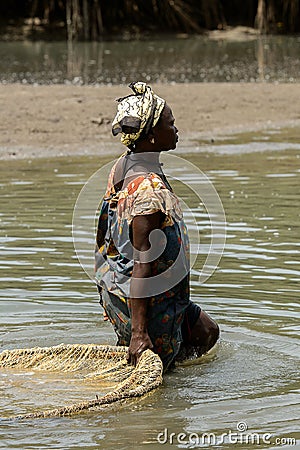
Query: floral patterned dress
(168,289)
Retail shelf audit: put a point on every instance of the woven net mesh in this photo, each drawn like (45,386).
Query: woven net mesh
(103,367)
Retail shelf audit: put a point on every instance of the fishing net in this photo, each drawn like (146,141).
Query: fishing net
(103,368)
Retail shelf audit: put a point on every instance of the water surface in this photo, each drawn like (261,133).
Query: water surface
(46,298)
(165,59)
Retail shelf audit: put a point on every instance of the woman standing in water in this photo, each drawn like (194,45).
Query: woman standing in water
(142,259)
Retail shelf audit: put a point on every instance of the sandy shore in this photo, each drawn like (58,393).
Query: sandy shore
(43,121)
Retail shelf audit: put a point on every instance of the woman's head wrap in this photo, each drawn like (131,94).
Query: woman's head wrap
(137,113)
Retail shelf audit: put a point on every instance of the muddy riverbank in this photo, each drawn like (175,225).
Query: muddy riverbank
(61,120)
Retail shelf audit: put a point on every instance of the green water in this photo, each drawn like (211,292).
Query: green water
(165,59)
(46,298)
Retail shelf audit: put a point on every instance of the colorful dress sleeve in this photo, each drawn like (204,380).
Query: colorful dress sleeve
(145,195)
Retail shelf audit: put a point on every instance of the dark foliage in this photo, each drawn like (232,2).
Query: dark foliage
(91,19)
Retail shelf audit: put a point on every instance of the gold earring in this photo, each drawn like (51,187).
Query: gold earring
(152,140)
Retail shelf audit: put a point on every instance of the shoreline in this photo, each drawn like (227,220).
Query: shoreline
(57,120)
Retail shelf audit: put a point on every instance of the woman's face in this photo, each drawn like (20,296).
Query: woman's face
(165,132)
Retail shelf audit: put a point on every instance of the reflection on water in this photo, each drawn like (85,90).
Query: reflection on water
(194,59)
(252,375)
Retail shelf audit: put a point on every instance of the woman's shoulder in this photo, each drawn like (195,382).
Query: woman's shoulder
(148,181)
(147,194)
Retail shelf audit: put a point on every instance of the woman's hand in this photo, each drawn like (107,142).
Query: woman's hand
(140,341)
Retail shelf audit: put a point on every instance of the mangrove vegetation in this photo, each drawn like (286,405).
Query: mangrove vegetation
(95,19)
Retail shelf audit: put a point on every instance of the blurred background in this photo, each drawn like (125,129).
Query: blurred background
(95,19)
(97,42)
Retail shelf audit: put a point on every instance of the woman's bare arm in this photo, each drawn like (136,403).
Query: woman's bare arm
(140,340)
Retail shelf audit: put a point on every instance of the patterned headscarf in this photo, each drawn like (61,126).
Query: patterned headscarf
(137,113)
